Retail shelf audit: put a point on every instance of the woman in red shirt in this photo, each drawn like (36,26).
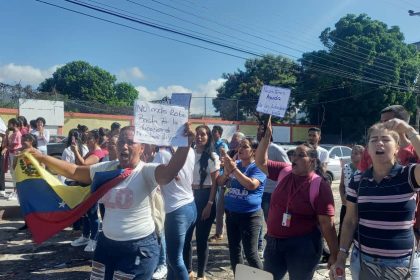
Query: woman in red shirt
(296,217)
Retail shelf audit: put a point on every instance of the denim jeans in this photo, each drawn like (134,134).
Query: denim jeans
(162,254)
(405,261)
(135,259)
(265,205)
(177,224)
(242,231)
(202,233)
(91,223)
(297,255)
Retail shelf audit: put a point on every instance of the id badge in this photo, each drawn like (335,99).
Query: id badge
(286,220)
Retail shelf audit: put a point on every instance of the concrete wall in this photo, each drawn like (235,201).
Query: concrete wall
(92,121)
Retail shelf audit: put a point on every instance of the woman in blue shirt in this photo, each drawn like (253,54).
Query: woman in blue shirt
(243,203)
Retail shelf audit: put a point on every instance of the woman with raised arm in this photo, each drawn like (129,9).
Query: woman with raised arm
(301,205)
(381,204)
(127,247)
(91,219)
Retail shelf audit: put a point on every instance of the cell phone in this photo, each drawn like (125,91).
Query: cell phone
(265,124)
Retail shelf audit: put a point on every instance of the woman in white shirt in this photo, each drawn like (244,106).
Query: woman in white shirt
(206,171)
(127,248)
(42,135)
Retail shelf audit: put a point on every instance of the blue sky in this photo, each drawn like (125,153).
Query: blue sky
(37,38)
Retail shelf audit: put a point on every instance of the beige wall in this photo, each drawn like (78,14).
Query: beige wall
(72,122)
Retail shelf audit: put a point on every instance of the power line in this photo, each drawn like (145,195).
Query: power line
(342,53)
(324,69)
(202,39)
(144,31)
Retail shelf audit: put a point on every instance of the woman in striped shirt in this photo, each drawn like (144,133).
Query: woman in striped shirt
(381,204)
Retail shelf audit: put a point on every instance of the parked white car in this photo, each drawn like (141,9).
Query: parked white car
(337,156)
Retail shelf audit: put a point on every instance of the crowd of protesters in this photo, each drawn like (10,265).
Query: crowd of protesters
(239,186)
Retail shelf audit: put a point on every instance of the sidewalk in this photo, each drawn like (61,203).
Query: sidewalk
(9,209)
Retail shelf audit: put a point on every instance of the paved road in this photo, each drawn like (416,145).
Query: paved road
(20,258)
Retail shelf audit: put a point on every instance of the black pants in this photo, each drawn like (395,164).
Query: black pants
(242,231)
(2,183)
(202,232)
(297,255)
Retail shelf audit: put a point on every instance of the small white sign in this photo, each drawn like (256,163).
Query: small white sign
(181,99)
(159,124)
(273,100)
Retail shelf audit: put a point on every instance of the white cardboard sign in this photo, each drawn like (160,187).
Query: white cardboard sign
(159,124)
(273,100)
(181,99)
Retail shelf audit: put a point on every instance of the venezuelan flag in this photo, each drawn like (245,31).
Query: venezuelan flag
(49,206)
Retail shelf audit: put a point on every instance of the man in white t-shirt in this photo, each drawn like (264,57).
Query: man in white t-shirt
(314,138)
(127,247)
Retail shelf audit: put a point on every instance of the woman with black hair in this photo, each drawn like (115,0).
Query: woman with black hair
(206,171)
(74,137)
(91,220)
(243,203)
(24,127)
(42,135)
(301,208)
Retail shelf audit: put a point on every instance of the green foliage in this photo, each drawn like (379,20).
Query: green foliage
(243,87)
(78,80)
(366,66)
(125,94)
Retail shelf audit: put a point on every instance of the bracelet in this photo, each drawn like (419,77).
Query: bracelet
(344,251)
(411,134)
(210,202)
(236,168)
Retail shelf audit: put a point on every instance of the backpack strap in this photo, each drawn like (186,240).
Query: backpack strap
(314,188)
(284,172)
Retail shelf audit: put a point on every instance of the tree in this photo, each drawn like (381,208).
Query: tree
(238,96)
(125,94)
(365,67)
(78,80)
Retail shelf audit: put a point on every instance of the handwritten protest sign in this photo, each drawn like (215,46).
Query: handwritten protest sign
(181,99)
(160,124)
(273,100)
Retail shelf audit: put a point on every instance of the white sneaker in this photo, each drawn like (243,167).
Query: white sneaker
(160,272)
(12,197)
(91,246)
(2,193)
(80,241)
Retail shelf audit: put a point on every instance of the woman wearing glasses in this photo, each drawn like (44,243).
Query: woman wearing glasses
(297,215)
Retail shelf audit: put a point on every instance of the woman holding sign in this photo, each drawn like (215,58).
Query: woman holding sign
(206,171)
(127,248)
(301,204)
(243,203)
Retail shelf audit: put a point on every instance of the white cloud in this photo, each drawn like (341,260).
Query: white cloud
(208,89)
(130,74)
(25,74)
